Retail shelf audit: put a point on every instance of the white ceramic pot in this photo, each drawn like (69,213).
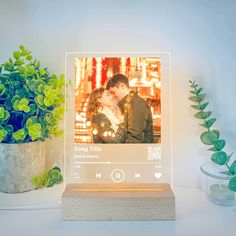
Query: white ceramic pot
(18,164)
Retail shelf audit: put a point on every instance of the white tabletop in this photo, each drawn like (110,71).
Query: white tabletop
(195,216)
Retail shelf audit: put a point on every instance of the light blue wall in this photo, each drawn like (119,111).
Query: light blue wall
(200,35)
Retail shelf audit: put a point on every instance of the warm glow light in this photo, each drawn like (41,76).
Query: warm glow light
(152,91)
(83,68)
(158,84)
(120,189)
(83,114)
(152,110)
(98,76)
(144,72)
(95,132)
(77,117)
(84,139)
(154,73)
(156,116)
(88,123)
(123,65)
(77,72)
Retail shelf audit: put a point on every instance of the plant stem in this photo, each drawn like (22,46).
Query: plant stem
(227,165)
(199,103)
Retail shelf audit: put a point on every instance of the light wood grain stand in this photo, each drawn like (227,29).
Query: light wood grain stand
(122,201)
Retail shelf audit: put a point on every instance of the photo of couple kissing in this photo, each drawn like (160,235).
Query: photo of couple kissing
(118,114)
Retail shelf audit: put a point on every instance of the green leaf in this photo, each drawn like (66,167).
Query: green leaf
(42,72)
(198,91)
(39,100)
(19,62)
(16,54)
(19,135)
(21,69)
(202,114)
(219,158)
(49,119)
(49,183)
(217,133)
(9,129)
(31,120)
(4,115)
(197,98)
(232,184)
(0,69)
(48,90)
(25,108)
(16,105)
(208,137)
(232,168)
(200,107)
(8,66)
(203,106)
(29,57)
(21,105)
(22,47)
(3,134)
(197,107)
(40,89)
(48,101)
(39,181)
(15,98)
(56,168)
(2,89)
(35,131)
(219,144)
(8,104)
(55,176)
(24,52)
(212,149)
(37,64)
(17,84)
(1,112)
(210,122)
(33,109)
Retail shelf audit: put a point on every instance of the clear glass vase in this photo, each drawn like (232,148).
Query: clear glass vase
(215,184)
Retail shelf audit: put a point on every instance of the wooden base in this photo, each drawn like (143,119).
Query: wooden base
(122,201)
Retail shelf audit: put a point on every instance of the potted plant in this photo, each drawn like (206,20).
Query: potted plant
(31,106)
(220,173)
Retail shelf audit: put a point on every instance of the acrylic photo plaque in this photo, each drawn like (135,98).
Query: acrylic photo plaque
(94,116)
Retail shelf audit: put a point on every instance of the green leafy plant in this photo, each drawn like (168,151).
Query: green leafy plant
(48,179)
(31,100)
(211,136)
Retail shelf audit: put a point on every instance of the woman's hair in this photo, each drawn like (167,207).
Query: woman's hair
(93,103)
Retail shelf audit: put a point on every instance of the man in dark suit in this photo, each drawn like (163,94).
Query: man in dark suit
(137,115)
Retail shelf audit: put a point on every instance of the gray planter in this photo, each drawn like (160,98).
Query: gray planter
(18,164)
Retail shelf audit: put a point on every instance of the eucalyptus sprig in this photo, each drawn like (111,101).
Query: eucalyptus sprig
(211,136)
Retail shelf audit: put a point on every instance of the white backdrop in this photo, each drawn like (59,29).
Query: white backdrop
(200,35)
